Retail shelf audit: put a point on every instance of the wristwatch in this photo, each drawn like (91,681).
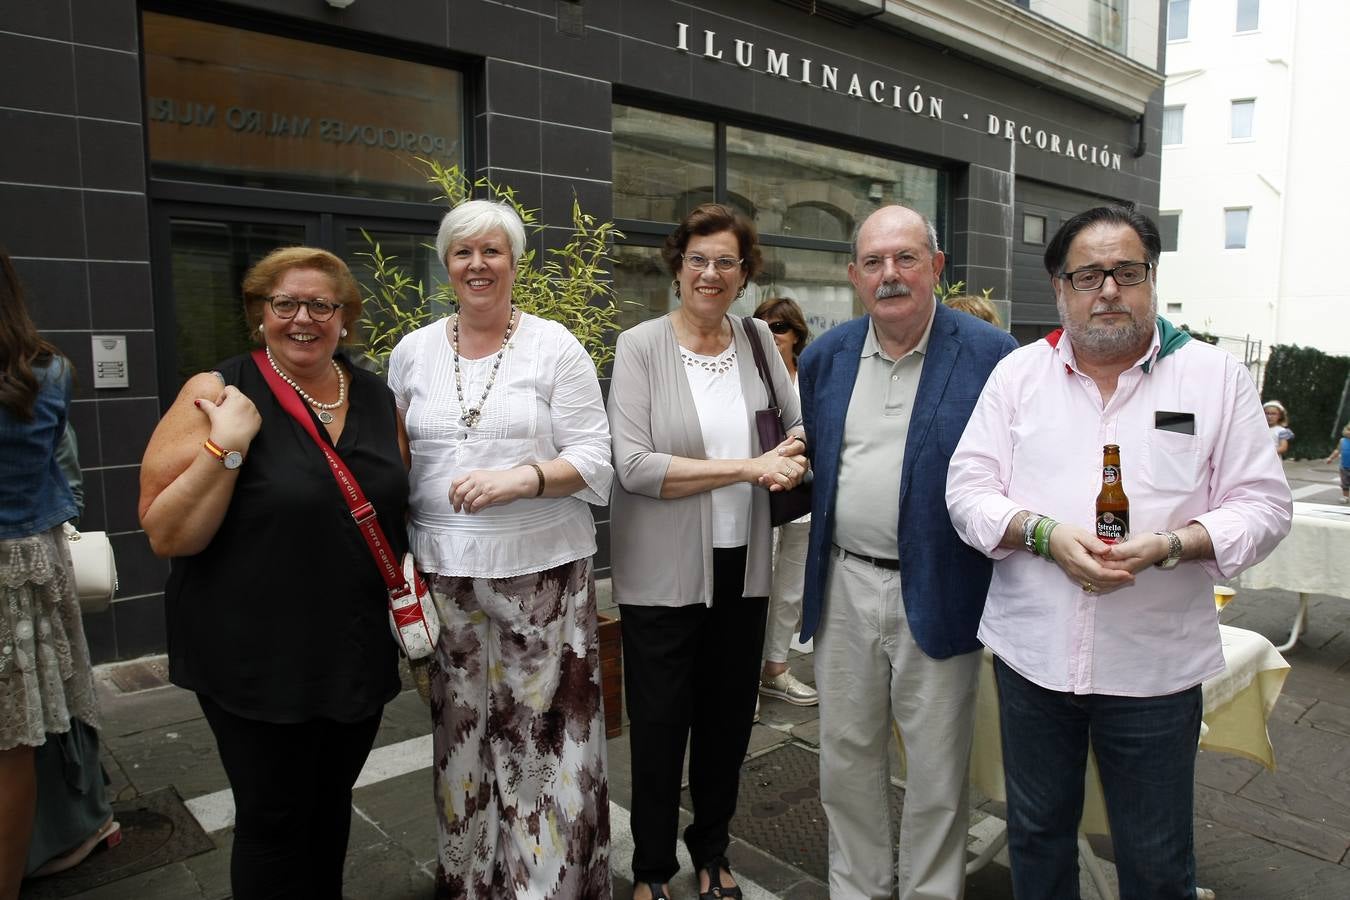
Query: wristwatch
(230,459)
(1173,550)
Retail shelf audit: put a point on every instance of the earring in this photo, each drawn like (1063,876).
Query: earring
(676,284)
(342,333)
(741,292)
(260,328)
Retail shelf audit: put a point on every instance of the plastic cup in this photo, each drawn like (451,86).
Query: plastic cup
(1223,596)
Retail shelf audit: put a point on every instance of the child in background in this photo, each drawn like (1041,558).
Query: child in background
(1343,451)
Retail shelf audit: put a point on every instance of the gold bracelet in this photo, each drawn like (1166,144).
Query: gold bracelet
(540,472)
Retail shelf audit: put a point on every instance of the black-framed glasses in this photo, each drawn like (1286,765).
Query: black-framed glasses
(1125,274)
(780,327)
(284,306)
(698,262)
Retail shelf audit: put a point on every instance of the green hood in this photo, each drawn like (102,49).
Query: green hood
(1171,339)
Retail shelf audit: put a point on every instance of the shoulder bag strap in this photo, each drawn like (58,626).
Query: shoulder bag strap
(761,363)
(362,510)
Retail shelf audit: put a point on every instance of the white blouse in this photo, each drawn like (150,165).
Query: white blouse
(544,405)
(715,382)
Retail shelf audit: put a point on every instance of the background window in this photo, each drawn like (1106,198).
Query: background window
(1248,14)
(1033,229)
(1107,23)
(1173,119)
(1235,228)
(1178,20)
(1244,111)
(1169,223)
(663,164)
(1173,307)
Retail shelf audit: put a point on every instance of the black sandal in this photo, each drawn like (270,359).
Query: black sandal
(657,892)
(716,890)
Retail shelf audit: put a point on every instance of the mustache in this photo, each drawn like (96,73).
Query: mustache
(1108,308)
(889,289)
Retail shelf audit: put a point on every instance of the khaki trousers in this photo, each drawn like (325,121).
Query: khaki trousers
(868,672)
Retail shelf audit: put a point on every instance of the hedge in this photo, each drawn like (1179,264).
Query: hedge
(1312,387)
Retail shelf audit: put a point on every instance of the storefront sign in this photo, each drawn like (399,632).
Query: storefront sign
(905,98)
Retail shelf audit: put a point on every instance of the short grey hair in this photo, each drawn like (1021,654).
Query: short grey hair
(475,218)
(928,226)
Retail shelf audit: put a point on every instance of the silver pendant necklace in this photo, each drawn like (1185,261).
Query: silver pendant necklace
(320,409)
(470,417)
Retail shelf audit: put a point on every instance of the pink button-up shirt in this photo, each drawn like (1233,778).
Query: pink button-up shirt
(1035,442)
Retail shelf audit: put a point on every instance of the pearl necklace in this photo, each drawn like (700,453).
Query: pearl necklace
(323,413)
(470,417)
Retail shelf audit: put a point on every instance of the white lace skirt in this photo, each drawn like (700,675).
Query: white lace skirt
(45,676)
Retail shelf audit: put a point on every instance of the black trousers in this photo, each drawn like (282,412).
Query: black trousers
(293,801)
(691,674)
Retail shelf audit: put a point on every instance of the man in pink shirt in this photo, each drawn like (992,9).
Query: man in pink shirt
(1097,643)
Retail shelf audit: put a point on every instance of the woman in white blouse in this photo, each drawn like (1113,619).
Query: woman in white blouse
(509,444)
(690,543)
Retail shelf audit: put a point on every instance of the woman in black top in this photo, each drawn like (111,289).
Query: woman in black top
(276,611)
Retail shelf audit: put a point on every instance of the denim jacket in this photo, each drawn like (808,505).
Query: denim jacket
(34,496)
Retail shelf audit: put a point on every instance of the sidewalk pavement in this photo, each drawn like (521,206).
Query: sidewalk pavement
(1259,835)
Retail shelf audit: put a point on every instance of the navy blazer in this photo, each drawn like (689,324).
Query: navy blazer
(943,581)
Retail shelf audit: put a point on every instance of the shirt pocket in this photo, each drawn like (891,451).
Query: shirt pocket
(1171,461)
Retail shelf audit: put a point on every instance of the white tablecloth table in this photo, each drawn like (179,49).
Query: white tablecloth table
(1237,703)
(1313,559)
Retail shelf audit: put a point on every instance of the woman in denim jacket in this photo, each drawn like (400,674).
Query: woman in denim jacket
(45,676)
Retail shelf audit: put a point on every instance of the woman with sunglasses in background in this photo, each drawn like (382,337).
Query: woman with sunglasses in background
(788,325)
(277,617)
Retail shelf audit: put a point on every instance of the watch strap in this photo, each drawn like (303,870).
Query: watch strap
(1173,550)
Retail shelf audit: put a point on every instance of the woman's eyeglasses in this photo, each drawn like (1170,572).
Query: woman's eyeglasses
(780,327)
(284,306)
(698,262)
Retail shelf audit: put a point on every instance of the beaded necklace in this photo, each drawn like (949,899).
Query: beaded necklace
(323,413)
(470,417)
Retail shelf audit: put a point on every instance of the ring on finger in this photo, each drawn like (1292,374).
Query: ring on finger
(1089,587)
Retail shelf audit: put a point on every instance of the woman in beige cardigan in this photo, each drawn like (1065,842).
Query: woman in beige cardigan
(690,543)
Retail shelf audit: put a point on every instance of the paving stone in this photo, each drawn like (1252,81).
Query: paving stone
(1326,715)
(1224,772)
(384,872)
(808,732)
(764,738)
(1235,864)
(125,714)
(780,712)
(1271,824)
(212,869)
(405,717)
(403,809)
(175,880)
(182,755)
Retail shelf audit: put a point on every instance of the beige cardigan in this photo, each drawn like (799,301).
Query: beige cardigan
(661,550)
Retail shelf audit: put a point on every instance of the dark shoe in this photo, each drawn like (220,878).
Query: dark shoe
(657,892)
(716,890)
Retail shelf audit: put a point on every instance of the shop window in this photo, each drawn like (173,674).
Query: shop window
(1248,15)
(1169,226)
(809,190)
(1173,131)
(1241,120)
(1235,228)
(1178,20)
(1033,229)
(234,107)
(663,164)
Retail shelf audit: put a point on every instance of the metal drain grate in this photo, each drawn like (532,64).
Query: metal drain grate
(779,809)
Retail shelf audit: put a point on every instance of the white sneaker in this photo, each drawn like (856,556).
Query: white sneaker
(786,686)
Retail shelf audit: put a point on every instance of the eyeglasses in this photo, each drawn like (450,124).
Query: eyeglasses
(1124,274)
(284,306)
(780,327)
(699,262)
(903,260)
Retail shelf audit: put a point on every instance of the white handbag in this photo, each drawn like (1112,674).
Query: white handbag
(412,615)
(94,568)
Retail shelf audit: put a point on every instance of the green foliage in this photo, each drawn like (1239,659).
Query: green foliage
(571,286)
(949,289)
(1201,335)
(1311,385)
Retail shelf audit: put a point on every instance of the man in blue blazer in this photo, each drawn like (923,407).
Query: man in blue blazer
(893,596)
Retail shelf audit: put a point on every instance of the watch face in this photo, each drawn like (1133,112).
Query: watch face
(233,459)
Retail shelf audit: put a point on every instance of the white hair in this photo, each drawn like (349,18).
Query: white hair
(475,218)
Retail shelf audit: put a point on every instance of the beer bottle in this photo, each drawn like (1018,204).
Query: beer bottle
(1113,507)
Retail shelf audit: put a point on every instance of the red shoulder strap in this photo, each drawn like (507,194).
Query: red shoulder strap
(362,510)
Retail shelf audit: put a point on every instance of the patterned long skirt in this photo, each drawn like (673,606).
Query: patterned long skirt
(45,676)
(519,741)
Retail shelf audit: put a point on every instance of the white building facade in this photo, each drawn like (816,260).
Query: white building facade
(1253,123)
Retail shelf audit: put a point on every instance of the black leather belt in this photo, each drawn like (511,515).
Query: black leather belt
(891,564)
